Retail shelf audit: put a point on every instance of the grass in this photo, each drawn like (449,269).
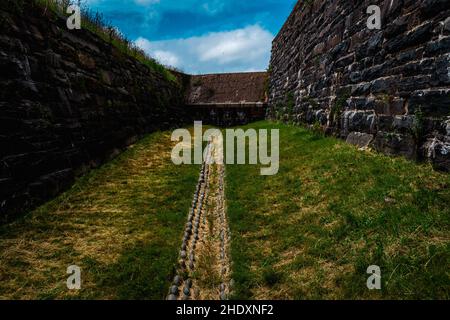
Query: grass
(309,232)
(312,231)
(122,224)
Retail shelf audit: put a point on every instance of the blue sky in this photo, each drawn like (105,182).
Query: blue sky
(200,36)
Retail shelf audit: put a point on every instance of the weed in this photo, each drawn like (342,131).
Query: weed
(314,104)
(308,3)
(317,129)
(418,129)
(339,105)
(289,105)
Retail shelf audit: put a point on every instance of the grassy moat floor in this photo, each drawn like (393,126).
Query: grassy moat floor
(309,232)
(332,211)
(121,224)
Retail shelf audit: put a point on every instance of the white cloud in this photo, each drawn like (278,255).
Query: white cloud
(166,58)
(246,49)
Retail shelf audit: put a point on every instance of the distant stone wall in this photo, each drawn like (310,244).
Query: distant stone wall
(388,89)
(68,102)
(227,99)
(227,114)
(228,88)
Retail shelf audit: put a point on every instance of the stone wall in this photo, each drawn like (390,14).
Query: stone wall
(227,99)
(68,102)
(227,114)
(228,88)
(388,89)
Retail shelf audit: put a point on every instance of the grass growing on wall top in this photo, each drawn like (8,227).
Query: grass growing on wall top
(94,22)
(312,230)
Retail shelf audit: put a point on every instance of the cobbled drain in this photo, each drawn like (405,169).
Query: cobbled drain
(204,261)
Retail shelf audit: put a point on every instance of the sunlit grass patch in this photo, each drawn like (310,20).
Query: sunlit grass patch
(332,211)
(122,224)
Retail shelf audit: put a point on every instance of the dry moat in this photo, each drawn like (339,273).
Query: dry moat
(87,177)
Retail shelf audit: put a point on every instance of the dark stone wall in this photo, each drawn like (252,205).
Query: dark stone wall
(388,89)
(227,114)
(68,102)
(227,99)
(228,88)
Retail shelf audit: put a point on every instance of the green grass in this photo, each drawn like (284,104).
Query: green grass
(312,231)
(309,232)
(121,223)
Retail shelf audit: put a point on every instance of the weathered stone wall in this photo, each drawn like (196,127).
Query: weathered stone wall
(68,102)
(227,114)
(228,88)
(227,99)
(387,88)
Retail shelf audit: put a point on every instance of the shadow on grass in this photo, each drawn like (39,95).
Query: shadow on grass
(141,273)
(122,224)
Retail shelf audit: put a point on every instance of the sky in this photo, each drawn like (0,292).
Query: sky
(200,36)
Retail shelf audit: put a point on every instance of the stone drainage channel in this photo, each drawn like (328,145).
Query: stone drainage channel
(204,263)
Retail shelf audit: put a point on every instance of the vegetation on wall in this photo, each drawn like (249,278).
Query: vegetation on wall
(95,23)
(267,82)
(312,102)
(290,104)
(418,126)
(308,3)
(339,106)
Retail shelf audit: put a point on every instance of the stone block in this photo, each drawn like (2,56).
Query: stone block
(384,85)
(413,38)
(437,47)
(447,25)
(409,84)
(437,151)
(359,139)
(441,76)
(403,123)
(428,8)
(395,144)
(358,121)
(433,102)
